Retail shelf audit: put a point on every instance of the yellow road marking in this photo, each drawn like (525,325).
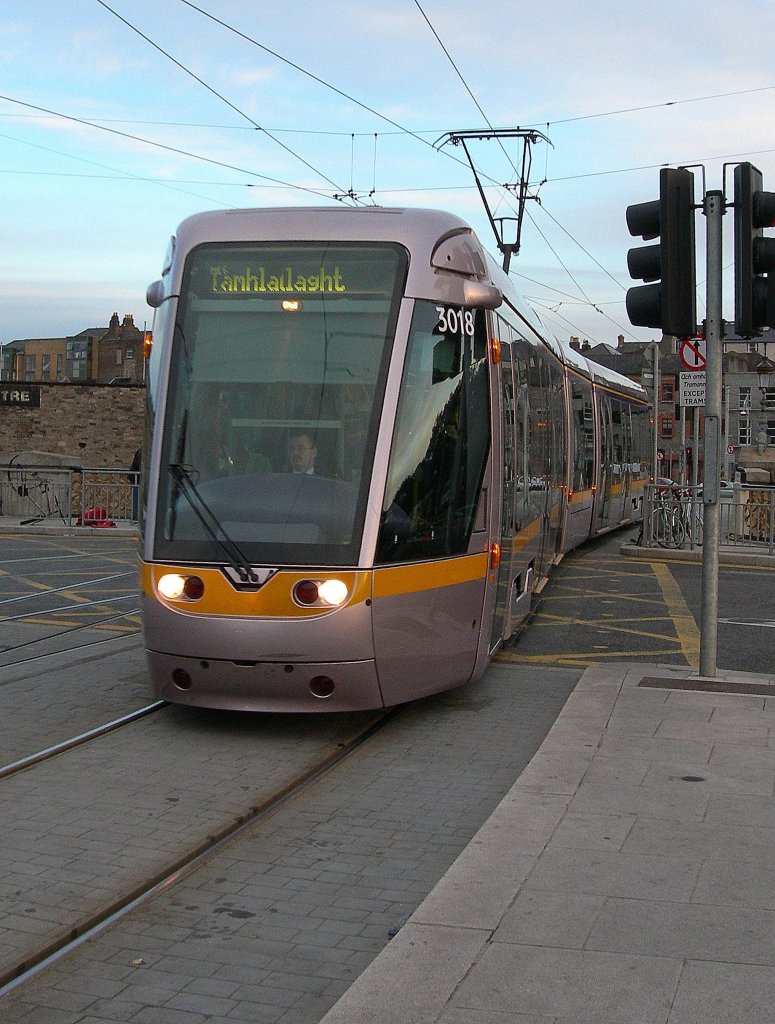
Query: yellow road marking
(581,657)
(678,610)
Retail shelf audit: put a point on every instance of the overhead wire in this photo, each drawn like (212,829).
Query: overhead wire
(219,95)
(656,106)
(589,301)
(401,128)
(161,145)
(115,175)
(274,182)
(435,132)
(315,78)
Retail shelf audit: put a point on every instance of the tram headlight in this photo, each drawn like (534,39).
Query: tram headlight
(333,592)
(173,586)
(320,593)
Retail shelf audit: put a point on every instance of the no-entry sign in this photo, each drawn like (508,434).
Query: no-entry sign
(691,352)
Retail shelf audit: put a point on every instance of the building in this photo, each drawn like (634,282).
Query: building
(98,355)
(33,359)
(120,353)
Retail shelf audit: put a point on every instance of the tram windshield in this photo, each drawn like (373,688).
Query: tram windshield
(442,437)
(278,365)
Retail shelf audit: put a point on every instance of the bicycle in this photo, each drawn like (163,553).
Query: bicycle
(690,509)
(668,525)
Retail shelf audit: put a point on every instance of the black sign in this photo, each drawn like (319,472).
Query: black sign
(24,395)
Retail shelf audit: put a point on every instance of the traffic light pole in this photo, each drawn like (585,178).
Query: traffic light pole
(713,208)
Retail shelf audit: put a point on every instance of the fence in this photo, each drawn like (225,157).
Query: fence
(75,497)
(673,518)
(87,497)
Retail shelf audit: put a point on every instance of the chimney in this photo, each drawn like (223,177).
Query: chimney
(585,346)
(574,343)
(620,343)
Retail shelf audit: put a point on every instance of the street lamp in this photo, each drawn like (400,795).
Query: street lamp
(764,371)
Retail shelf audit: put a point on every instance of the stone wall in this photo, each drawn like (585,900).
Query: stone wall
(98,425)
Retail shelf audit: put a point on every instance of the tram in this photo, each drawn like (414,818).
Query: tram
(363,455)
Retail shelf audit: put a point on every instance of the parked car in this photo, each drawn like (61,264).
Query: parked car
(726,490)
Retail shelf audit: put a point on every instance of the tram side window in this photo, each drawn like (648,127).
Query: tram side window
(605,445)
(520,358)
(583,436)
(641,442)
(441,440)
(617,438)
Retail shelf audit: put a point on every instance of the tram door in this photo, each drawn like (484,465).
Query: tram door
(515,573)
(557,462)
(501,625)
(604,456)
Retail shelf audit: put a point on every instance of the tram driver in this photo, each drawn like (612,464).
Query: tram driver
(302,454)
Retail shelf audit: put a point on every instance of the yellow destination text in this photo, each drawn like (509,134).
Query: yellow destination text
(259,280)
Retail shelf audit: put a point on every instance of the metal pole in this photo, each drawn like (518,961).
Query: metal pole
(713,209)
(655,357)
(728,474)
(682,477)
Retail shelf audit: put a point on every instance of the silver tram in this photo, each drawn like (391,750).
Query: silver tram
(364,454)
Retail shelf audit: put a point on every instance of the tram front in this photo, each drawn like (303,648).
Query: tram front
(318,452)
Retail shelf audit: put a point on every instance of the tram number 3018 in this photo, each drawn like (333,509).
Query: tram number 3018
(455,321)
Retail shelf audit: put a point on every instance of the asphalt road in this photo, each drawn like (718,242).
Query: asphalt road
(602,606)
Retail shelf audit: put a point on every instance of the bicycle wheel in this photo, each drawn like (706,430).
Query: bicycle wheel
(667,529)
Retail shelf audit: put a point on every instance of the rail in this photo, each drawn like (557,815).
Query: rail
(32,494)
(673,518)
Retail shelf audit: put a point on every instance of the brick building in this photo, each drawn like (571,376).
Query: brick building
(99,355)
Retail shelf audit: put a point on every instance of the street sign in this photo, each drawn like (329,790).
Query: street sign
(691,389)
(27,396)
(691,352)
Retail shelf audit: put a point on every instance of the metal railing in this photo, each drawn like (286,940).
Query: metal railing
(74,497)
(107,494)
(673,518)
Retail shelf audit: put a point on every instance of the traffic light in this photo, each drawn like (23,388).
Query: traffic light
(754,254)
(670,304)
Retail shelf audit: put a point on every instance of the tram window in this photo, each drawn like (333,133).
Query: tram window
(250,371)
(446,359)
(441,440)
(583,437)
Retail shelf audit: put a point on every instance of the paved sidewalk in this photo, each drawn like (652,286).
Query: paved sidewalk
(55,526)
(628,877)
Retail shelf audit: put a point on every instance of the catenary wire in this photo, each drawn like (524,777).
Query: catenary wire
(431,132)
(559,121)
(220,96)
(161,145)
(506,197)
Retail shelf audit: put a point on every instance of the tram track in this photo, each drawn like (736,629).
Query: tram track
(66,632)
(23,968)
(20,765)
(29,598)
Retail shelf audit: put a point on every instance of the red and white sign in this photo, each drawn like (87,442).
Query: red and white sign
(691,352)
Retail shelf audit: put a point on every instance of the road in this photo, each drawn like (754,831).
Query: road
(293,907)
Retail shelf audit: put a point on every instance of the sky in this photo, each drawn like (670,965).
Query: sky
(119,118)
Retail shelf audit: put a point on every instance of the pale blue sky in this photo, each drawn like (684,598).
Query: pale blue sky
(620,89)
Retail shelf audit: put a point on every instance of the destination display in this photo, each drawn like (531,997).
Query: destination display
(258,279)
(312,272)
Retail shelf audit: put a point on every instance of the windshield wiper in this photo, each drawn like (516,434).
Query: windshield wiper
(211,524)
